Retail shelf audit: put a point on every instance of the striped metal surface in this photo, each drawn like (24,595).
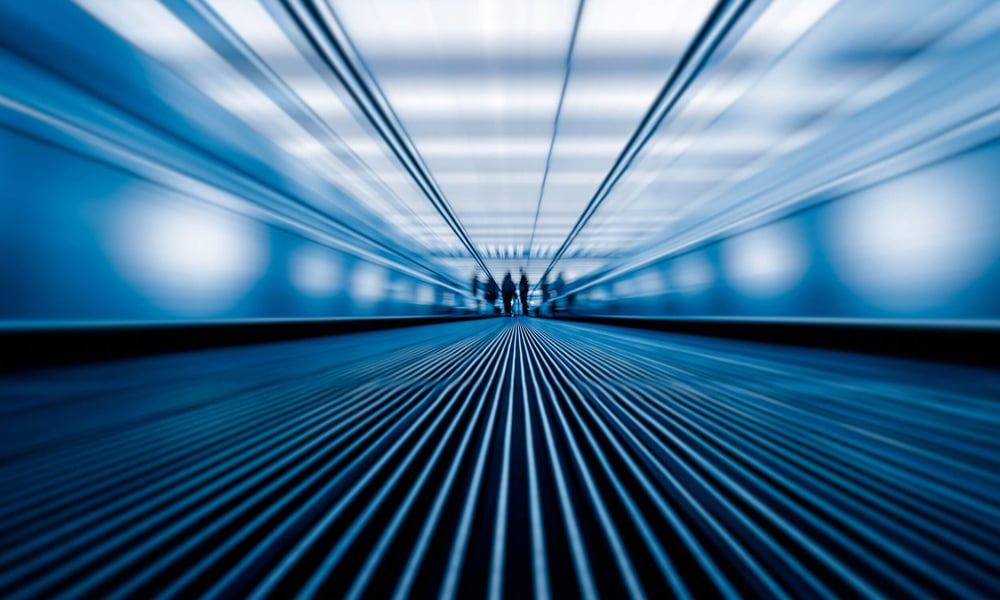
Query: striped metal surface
(507,457)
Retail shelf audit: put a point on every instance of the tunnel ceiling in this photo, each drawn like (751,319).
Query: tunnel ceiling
(569,137)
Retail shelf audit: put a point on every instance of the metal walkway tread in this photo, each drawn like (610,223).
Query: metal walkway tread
(506,457)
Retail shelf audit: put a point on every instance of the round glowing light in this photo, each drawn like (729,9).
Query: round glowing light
(650,283)
(766,262)
(369,284)
(424,295)
(316,271)
(692,273)
(401,290)
(599,295)
(623,289)
(188,258)
(915,242)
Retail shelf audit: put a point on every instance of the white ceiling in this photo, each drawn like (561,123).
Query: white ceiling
(518,131)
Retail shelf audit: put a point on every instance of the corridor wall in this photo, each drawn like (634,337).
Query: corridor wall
(921,245)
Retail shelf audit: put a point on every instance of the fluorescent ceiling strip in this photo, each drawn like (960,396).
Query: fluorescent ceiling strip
(457,27)
(603,97)
(617,25)
(517,146)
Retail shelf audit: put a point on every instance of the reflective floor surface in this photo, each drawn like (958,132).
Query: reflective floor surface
(502,457)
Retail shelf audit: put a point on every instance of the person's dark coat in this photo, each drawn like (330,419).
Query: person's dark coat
(490,291)
(523,288)
(507,289)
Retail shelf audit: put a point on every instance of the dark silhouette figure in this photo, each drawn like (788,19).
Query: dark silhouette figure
(522,287)
(475,289)
(557,290)
(507,289)
(546,294)
(490,294)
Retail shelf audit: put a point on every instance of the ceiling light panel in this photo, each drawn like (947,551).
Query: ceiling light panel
(462,104)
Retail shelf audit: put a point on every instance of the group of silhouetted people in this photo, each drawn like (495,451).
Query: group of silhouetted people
(507,290)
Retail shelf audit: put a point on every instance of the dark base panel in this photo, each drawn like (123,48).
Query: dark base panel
(955,344)
(35,348)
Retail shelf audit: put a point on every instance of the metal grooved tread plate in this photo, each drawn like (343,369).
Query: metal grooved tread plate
(507,457)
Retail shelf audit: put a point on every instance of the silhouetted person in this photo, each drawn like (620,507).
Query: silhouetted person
(475,289)
(507,290)
(522,287)
(544,284)
(490,294)
(557,290)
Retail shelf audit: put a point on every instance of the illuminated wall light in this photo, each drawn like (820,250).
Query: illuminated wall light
(598,295)
(316,271)
(401,291)
(766,262)
(915,243)
(424,295)
(623,289)
(692,274)
(650,283)
(187,258)
(368,284)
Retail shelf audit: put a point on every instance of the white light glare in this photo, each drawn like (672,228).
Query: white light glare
(766,262)
(692,273)
(369,284)
(185,257)
(316,271)
(916,242)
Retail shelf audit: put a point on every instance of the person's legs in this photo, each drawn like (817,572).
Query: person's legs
(506,304)
(524,303)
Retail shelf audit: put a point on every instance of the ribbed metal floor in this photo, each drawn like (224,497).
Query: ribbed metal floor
(509,457)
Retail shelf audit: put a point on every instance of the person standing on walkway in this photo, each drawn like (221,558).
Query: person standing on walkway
(490,293)
(507,290)
(475,290)
(544,286)
(523,288)
(557,290)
